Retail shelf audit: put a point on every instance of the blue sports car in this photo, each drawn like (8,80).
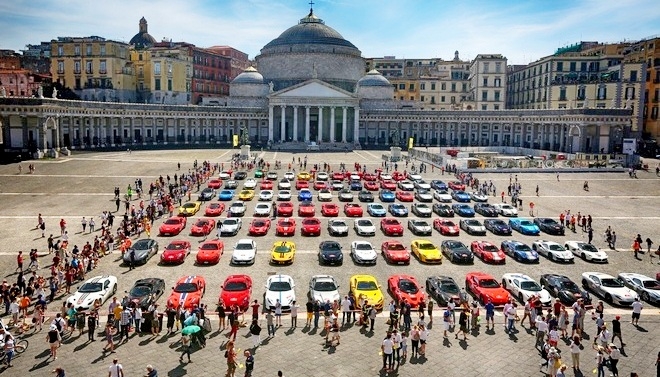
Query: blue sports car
(305,195)
(226,195)
(376,210)
(461,196)
(463,210)
(520,251)
(438,185)
(398,210)
(524,226)
(356,186)
(386,196)
(497,226)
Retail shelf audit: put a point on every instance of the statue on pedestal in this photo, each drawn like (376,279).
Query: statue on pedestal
(54,92)
(245,136)
(271,86)
(396,138)
(40,92)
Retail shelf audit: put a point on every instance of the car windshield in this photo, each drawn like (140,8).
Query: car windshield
(311,222)
(210,246)
(237,205)
(556,247)
(338,223)
(364,223)
(91,287)
(408,286)
(140,291)
(280,286)
(225,192)
(286,223)
(185,288)
(377,207)
(472,222)
(325,286)
(526,223)
(491,249)
(230,222)
(449,287)
(499,223)
(489,283)
(172,222)
(244,246)
(422,206)
(420,223)
(426,246)
(530,286)
(522,247)
(588,247)
(548,221)
(395,246)
(234,286)
(176,246)
(189,205)
(142,244)
(331,246)
(282,249)
(259,223)
(390,222)
(569,286)
(651,284)
(367,285)
(202,223)
(611,283)
(363,246)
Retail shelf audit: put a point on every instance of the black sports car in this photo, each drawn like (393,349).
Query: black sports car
(443,210)
(497,226)
(146,291)
(485,209)
(443,289)
(456,251)
(564,289)
(231,184)
(550,226)
(206,194)
(330,253)
(365,196)
(240,175)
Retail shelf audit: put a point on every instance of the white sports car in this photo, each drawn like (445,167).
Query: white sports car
(414,177)
(271,176)
(609,288)
(262,209)
(98,287)
(284,195)
(422,185)
(406,186)
(337,228)
(442,196)
(385,177)
(230,227)
(284,184)
(279,288)
(289,176)
(523,287)
(265,195)
(506,209)
(586,251)
(647,288)
(364,227)
(237,209)
(553,251)
(250,184)
(322,176)
(337,185)
(325,195)
(363,252)
(423,195)
(421,210)
(478,197)
(472,226)
(324,288)
(244,252)
(224,175)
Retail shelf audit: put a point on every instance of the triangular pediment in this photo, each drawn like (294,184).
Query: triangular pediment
(313,89)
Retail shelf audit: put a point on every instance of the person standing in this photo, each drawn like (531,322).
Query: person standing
(53,338)
(590,235)
(396,338)
(84,224)
(600,360)
(387,349)
(9,348)
(249,363)
(649,244)
(270,324)
(462,324)
(278,313)
(345,310)
(423,337)
(255,331)
(637,307)
(125,319)
(92,322)
(294,314)
(372,318)
(116,369)
(309,307)
(429,310)
(414,341)
(185,347)
(615,355)
(575,352)
(230,354)
(637,247)
(255,310)
(616,330)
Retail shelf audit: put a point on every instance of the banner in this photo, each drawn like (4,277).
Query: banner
(235,140)
(411,141)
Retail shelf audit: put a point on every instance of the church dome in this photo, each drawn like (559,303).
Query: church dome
(142,39)
(310,30)
(249,76)
(373,78)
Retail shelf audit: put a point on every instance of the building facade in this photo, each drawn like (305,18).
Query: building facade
(212,73)
(647,52)
(488,82)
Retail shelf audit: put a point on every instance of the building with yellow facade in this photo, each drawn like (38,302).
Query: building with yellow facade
(164,73)
(647,51)
(96,69)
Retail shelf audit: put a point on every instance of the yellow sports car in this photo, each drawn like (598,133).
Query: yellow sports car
(365,287)
(426,251)
(283,252)
(246,195)
(304,176)
(190,208)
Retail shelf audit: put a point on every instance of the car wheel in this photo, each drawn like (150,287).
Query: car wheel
(585,285)
(114,289)
(583,256)
(467,286)
(608,298)
(520,297)
(504,283)
(645,296)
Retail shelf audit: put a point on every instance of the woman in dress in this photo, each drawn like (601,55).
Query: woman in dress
(53,338)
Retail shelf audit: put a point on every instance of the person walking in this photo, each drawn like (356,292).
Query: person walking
(230,355)
(649,244)
(600,360)
(270,324)
(255,331)
(387,349)
(637,247)
(115,369)
(462,324)
(637,307)
(575,352)
(616,330)
(84,224)
(185,347)
(615,355)
(249,363)
(109,338)
(53,338)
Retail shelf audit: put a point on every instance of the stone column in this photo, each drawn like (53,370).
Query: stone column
(533,140)
(332,124)
(131,129)
(306,124)
(57,134)
(295,123)
(343,124)
(121,131)
(92,131)
(320,126)
(143,131)
(512,140)
(356,125)
(270,123)
(562,136)
(283,123)
(198,133)
(501,138)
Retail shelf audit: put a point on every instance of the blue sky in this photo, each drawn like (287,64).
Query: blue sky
(523,31)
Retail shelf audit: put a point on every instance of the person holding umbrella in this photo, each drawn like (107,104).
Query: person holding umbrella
(185,346)
(195,332)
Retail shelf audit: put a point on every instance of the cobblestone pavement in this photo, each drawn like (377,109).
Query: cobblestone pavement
(82,185)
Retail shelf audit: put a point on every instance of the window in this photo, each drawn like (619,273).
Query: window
(654,112)
(486,67)
(453,86)
(60,66)
(498,82)
(444,86)
(88,66)
(432,86)
(583,66)
(581,93)
(411,87)
(60,50)
(102,48)
(560,66)
(140,57)
(422,86)
(422,99)
(497,107)
(76,50)
(169,84)
(602,92)
(402,86)
(442,99)
(453,99)
(103,67)
(633,76)
(572,69)
(77,83)
(484,107)
(157,86)
(485,81)
(412,98)
(432,99)
(169,68)
(497,95)
(498,67)
(157,68)
(562,94)
(89,50)
(76,67)
(484,96)
(630,93)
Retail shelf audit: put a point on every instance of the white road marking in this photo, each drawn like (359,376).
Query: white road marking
(223,155)
(361,156)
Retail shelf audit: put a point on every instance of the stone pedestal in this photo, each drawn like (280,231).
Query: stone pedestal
(53,153)
(65,151)
(245,152)
(395,153)
(39,154)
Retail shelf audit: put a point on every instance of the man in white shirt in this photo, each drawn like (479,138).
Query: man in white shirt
(387,348)
(116,369)
(636,311)
(541,329)
(346,310)
(505,312)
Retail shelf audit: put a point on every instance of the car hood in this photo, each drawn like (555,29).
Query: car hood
(139,254)
(366,254)
(228,228)
(285,297)
(621,292)
(84,299)
(243,254)
(325,296)
(340,228)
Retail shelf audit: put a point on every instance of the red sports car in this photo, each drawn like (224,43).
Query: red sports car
(285,209)
(394,252)
(214,209)
(301,184)
(187,292)
(329,210)
(172,226)
(405,196)
(210,252)
(175,252)
(488,252)
(286,227)
(266,185)
(388,185)
(446,227)
(311,227)
(337,176)
(456,186)
(484,287)
(371,185)
(353,210)
(259,227)
(214,183)
(306,210)
(391,227)
(202,227)
(320,185)
(398,176)
(236,290)
(405,288)
(369,177)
